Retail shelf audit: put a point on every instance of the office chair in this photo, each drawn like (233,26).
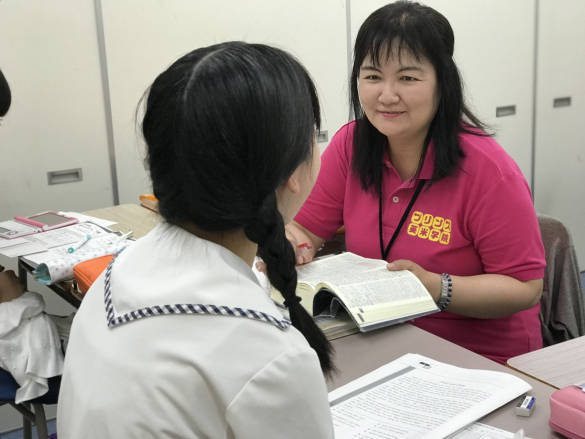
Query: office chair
(32,411)
(562,313)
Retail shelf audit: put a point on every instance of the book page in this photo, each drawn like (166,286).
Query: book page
(362,282)
(341,269)
(376,287)
(43,241)
(417,397)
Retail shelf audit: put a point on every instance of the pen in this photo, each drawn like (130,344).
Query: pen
(80,244)
(305,245)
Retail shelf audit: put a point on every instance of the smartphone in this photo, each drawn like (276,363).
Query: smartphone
(46,220)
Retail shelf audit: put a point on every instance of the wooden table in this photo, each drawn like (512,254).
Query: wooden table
(559,365)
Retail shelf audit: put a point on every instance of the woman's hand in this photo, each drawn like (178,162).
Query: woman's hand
(304,243)
(431,281)
(483,296)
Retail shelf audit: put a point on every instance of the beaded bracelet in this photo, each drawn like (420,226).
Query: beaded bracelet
(446,292)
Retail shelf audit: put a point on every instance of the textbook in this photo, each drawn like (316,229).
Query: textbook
(348,291)
(417,397)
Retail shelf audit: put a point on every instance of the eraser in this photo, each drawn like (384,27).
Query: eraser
(526,406)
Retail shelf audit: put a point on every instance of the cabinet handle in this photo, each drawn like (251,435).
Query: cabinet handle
(506,110)
(64,176)
(562,102)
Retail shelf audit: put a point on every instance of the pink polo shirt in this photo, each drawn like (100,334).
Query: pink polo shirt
(479,220)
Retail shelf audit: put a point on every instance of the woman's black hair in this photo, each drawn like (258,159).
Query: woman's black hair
(225,126)
(425,33)
(5,96)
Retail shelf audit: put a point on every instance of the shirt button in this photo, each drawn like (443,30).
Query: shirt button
(395,199)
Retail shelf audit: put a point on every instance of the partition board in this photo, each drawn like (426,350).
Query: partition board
(49,55)
(143,37)
(494,50)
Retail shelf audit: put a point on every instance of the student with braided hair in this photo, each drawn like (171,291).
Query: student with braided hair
(178,338)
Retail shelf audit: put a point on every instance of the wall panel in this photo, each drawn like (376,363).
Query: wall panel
(144,36)
(494,50)
(48,53)
(560,142)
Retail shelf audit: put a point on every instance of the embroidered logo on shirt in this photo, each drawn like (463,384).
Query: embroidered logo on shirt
(427,226)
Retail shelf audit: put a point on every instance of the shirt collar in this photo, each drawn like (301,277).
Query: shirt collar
(169,260)
(427,169)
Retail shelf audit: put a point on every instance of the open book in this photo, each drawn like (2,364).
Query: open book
(370,295)
(417,397)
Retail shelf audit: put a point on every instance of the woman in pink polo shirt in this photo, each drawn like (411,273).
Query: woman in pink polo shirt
(416,181)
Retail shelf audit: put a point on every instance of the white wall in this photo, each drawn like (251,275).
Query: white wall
(494,52)
(143,37)
(560,138)
(48,53)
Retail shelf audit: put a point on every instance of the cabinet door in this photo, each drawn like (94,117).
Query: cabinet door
(560,142)
(144,36)
(49,55)
(494,50)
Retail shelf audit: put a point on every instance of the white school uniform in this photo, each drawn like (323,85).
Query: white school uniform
(187,375)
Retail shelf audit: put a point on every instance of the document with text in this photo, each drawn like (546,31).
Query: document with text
(371,295)
(418,397)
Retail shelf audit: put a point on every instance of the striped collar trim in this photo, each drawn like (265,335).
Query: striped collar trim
(114,319)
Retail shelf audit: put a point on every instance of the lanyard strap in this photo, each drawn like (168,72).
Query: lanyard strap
(384,252)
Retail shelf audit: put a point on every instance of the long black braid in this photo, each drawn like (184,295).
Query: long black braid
(276,251)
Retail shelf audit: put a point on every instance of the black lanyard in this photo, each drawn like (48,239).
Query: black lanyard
(383,252)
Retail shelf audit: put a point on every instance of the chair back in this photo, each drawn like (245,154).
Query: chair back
(32,411)
(562,313)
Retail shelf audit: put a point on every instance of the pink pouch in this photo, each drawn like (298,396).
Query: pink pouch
(567,412)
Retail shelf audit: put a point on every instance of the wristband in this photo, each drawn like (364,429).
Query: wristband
(446,292)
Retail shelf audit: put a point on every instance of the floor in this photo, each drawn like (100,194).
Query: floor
(18,434)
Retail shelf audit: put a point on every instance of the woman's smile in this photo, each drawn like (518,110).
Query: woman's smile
(392,114)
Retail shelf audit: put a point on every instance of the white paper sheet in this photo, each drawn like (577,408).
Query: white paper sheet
(41,242)
(417,397)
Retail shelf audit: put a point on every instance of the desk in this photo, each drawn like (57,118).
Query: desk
(360,353)
(559,365)
(128,217)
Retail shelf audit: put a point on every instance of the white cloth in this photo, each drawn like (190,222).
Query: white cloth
(29,345)
(187,376)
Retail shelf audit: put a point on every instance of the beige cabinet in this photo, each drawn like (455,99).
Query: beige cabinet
(143,37)
(494,50)
(560,115)
(49,55)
